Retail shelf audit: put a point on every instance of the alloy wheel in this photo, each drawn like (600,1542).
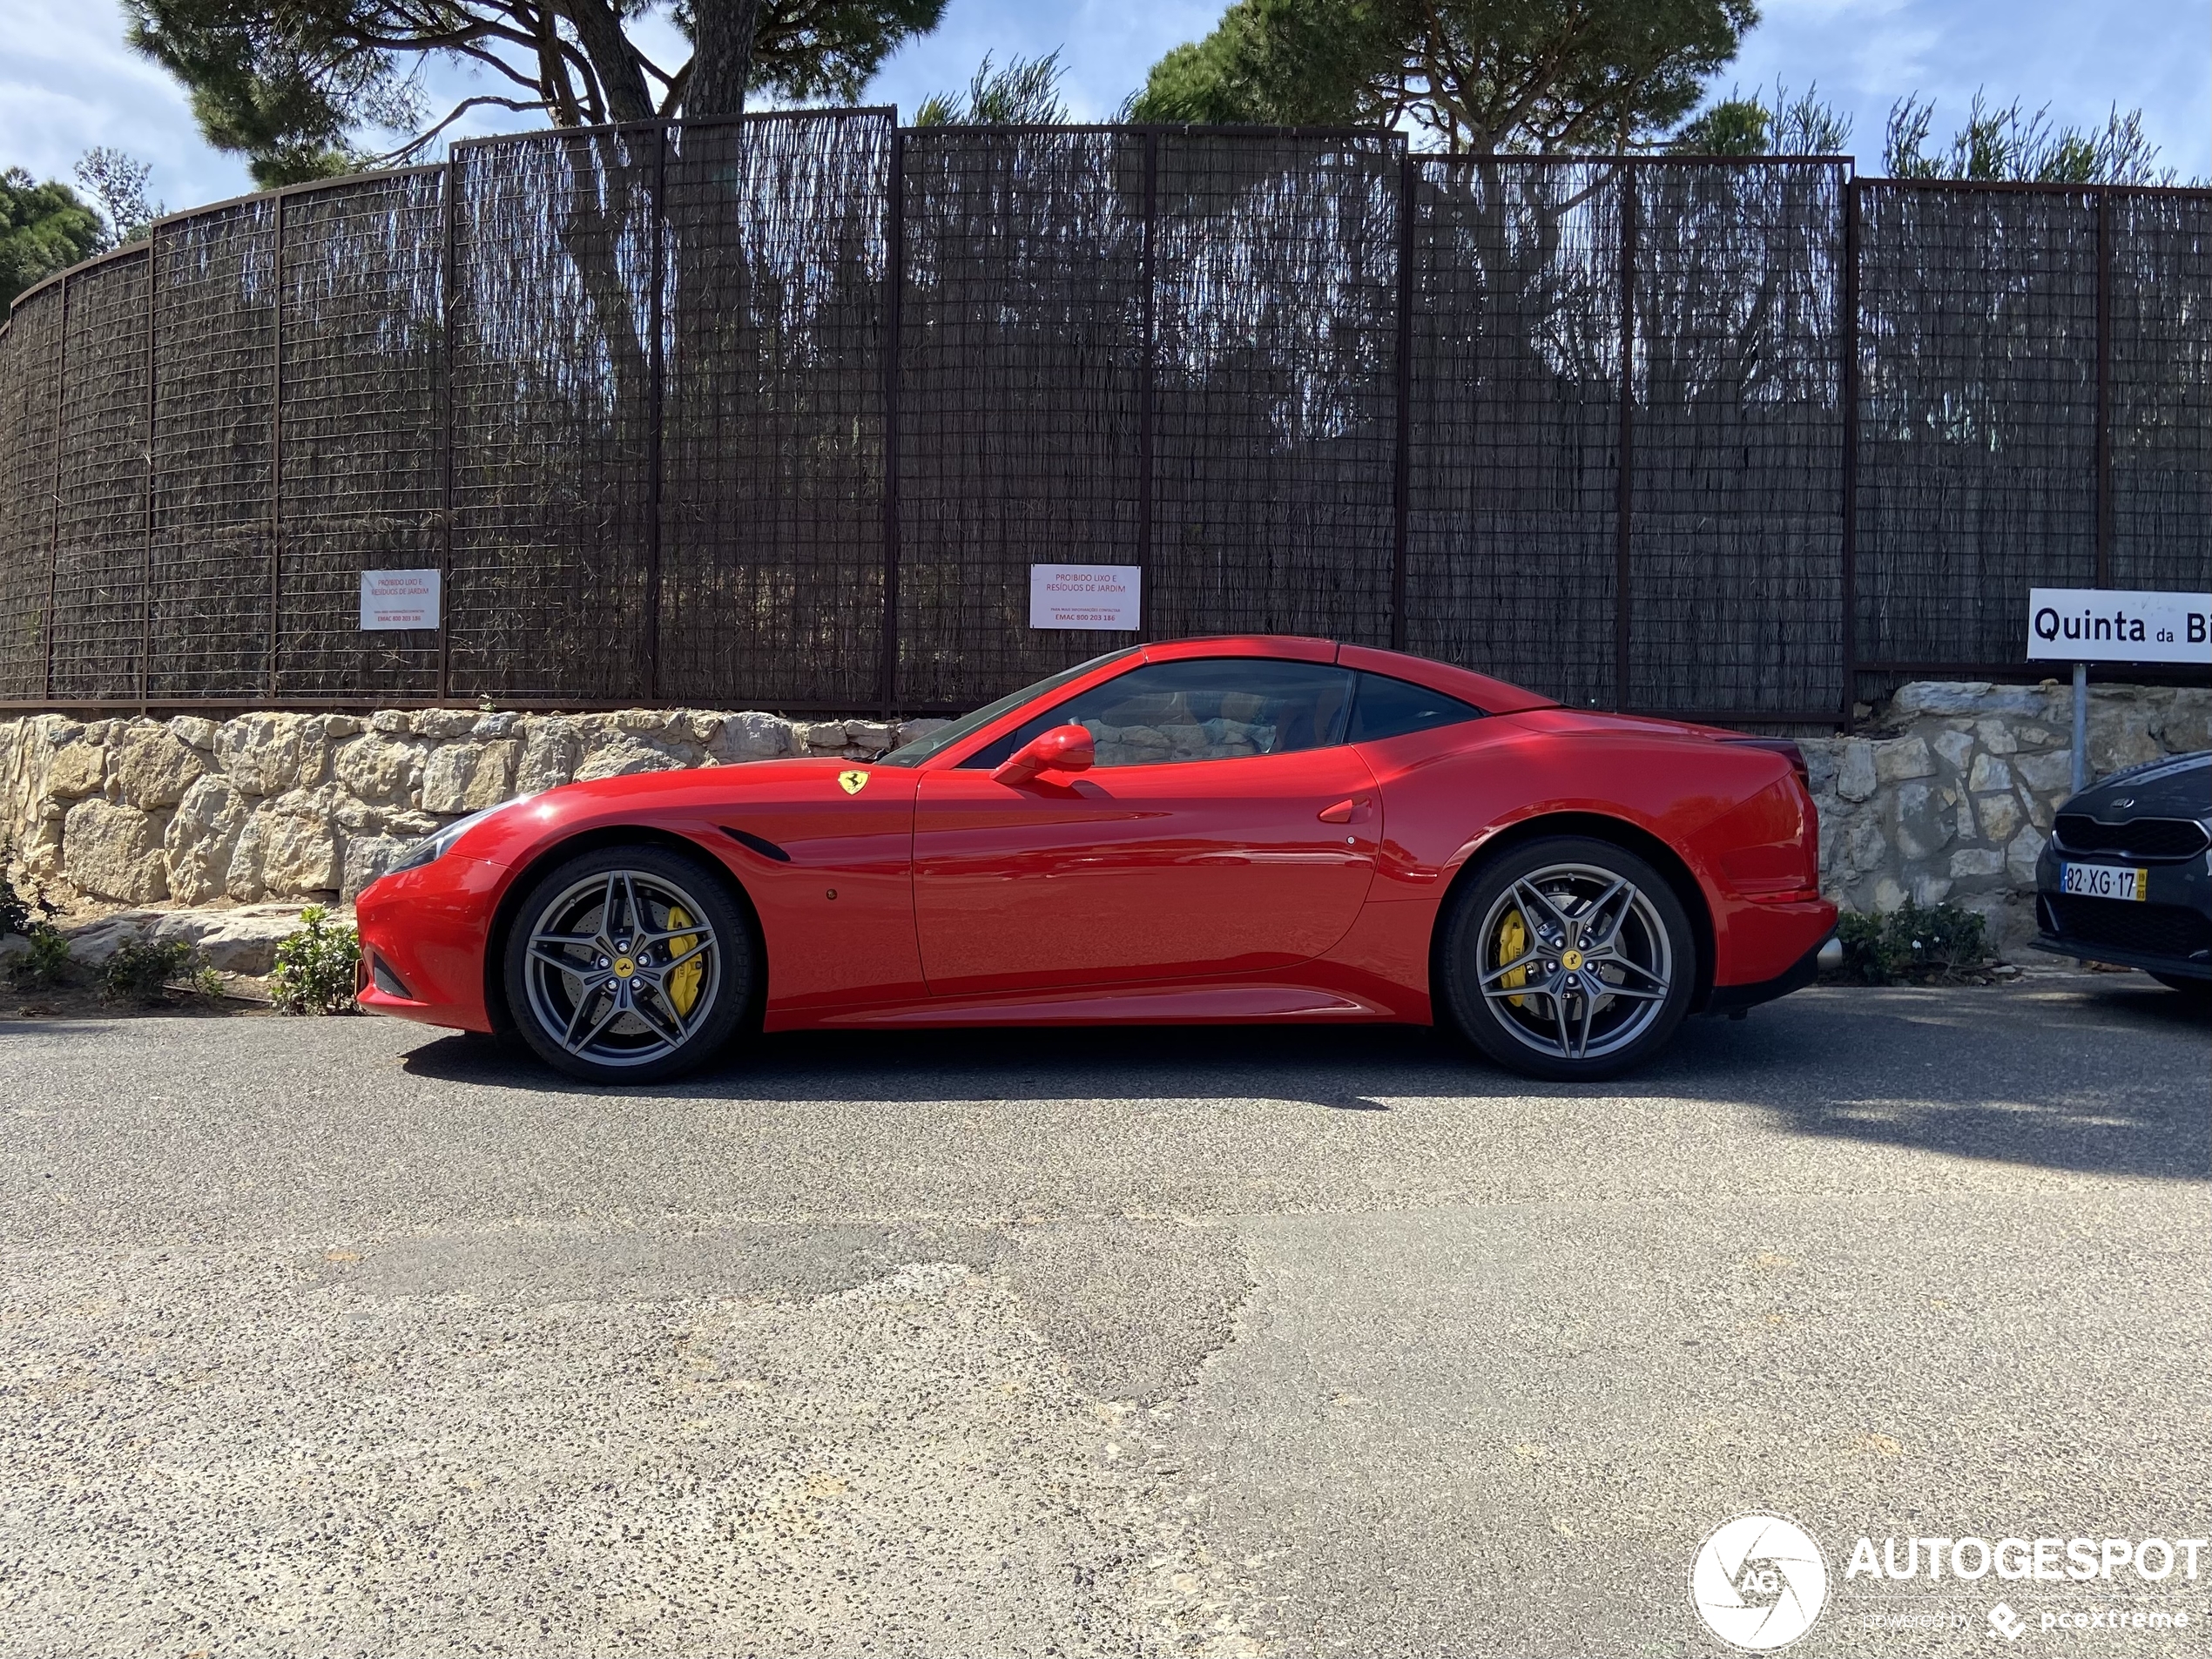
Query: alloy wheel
(1575,962)
(623,968)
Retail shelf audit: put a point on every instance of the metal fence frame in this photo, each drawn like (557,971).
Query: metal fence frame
(138,467)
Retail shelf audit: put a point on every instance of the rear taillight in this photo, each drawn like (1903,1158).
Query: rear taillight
(1787,748)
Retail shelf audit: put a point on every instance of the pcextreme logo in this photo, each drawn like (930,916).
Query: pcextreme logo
(1758,1583)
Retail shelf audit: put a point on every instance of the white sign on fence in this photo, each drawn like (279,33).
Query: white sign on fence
(399,599)
(2109,625)
(1108,596)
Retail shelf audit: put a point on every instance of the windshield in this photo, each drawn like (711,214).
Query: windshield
(937,742)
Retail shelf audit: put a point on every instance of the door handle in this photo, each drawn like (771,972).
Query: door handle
(1358,810)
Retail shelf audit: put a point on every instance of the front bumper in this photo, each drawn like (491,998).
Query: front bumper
(428,929)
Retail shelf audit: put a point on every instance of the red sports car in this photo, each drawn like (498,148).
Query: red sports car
(1212,830)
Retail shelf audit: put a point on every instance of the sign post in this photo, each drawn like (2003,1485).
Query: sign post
(2085,625)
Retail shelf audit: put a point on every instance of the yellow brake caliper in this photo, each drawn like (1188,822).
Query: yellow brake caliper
(1513,940)
(683,983)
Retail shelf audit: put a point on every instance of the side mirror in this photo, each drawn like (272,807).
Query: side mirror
(1065,748)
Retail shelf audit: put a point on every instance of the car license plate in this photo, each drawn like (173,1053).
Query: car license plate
(2104,881)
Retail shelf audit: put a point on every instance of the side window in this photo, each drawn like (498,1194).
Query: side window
(1389,708)
(1213,708)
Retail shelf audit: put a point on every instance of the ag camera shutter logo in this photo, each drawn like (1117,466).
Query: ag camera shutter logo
(1759,1582)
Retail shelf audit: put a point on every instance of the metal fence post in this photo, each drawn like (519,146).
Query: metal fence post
(145,577)
(54,504)
(1401,483)
(1145,381)
(1624,483)
(893,299)
(448,305)
(656,387)
(276,453)
(2103,558)
(1848,653)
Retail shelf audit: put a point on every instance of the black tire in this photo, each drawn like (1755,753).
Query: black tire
(1525,934)
(623,1009)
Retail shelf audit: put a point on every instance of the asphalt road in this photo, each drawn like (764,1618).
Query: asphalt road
(345,1337)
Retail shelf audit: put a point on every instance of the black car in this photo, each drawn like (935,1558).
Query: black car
(2127,877)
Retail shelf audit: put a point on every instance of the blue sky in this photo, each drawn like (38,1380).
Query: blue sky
(68,82)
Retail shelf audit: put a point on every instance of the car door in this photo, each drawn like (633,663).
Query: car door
(1226,829)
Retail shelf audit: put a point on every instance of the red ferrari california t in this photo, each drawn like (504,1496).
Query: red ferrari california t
(1224,830)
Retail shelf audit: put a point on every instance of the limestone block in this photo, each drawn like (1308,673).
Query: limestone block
(446,777)
(1864,847)
(91,943)
(114,852)
(822,737)
(410,825)
(1999,816)
(910,730)
(550,755)
(240,941)
(379,770)
(700,725)
(1956,748)
(752,735)
(154,767)
(1997,737)
(445,723)
(493,781)
(868,735)
(366,858)
(1965,696)
(77,769)
(1888,895)
(335,726)
(202,838)
(1903,757)
(1920,826)
(2186,726)
(623,757)
(1989,774)
(2020,856)
(260,753)
(354,816)
(299,851)
(1855,776)
(195,729)
(1971,861)
(2119,738)
(393,723)
(501,723)
(1929,888)
(1822,756)
(2046,772)
(40,847)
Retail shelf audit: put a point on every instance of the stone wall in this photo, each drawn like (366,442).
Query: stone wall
(1947,794)
(194,812)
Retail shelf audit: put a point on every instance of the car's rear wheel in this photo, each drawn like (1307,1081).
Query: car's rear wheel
(1569,959)
(628,964)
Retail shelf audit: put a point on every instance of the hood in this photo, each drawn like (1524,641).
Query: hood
(2176,788)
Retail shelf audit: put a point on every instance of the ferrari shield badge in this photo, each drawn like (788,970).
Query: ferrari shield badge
(850,782)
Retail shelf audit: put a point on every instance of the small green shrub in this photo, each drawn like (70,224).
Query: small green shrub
(315,967)
(1914,945)
(139,970)
(47,964)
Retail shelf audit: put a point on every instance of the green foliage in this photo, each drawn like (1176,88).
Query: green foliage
(117,182)
(300,89)
(139,970)
(47,964)
(1752,126)
(1479,76)
(1025,93)
(43,228)
(1914,944)
(315,967)
(2010,143)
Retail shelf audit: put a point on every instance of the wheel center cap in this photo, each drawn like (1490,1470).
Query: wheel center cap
(625,968)
(1570,960)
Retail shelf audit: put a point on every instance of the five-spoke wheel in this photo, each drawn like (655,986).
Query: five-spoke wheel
(627,964)
(1569,958)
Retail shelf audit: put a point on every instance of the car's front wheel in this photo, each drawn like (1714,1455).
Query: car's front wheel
(1569,959)
(628,964)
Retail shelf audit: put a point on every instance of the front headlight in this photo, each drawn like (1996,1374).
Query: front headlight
(432,847)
